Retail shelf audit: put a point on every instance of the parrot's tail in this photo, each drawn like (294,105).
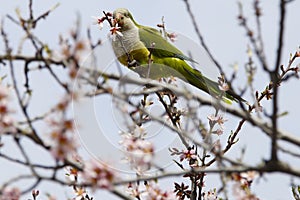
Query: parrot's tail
(211,87)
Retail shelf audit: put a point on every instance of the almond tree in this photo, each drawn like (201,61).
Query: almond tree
(41,137)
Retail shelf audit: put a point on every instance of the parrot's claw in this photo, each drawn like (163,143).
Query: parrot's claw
(132,63)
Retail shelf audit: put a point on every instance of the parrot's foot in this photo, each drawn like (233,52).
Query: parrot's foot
(133,63)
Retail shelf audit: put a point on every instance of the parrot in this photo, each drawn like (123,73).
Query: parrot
(147,52)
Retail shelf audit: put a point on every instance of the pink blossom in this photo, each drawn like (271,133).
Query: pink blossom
(98,21)
(188,154)
(62,139)
(217,119)
(224,87)
(172,36)
(7,124)
(115,31)
(212,118)
(139,152)
(150,191)
(6,121)
(71,173)
(219,131)
(134,190)
(154,192)
(210,195)
(63,145)
(221,120)
(10,194)
(248,177)
(98,175)
(80,193)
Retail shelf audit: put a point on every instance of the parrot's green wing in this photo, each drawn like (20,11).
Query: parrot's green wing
(159,46)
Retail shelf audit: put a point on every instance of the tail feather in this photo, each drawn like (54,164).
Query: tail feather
(211,87)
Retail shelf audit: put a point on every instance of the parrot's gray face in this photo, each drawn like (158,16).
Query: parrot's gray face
(130,33)
(122,17)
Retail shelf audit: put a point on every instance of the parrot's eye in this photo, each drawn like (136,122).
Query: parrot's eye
(122,18)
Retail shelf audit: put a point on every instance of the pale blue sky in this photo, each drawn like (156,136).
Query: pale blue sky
(217,20)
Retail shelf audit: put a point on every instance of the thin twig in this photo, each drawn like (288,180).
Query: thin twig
(258,49)
(280,35)
(201,39)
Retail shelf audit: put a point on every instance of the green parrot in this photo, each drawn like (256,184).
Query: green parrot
(144,50)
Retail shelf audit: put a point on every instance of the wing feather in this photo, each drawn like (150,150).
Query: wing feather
(158,45)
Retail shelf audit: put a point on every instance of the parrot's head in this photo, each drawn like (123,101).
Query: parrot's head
(124,19)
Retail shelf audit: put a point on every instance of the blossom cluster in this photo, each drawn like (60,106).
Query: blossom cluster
(94,174)
(138,152)
(63,143)
(150,191)
(219,120)
(115,28)
(62,138)
(241,187)
(10,194)
(210,195)
(72,52)
(223,86)
(6,121)
(98,175)
(188,154)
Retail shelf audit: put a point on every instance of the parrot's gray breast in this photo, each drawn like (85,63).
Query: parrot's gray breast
(128,42)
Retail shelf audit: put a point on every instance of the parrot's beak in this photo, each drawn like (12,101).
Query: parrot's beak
(114,22)
(117,19)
